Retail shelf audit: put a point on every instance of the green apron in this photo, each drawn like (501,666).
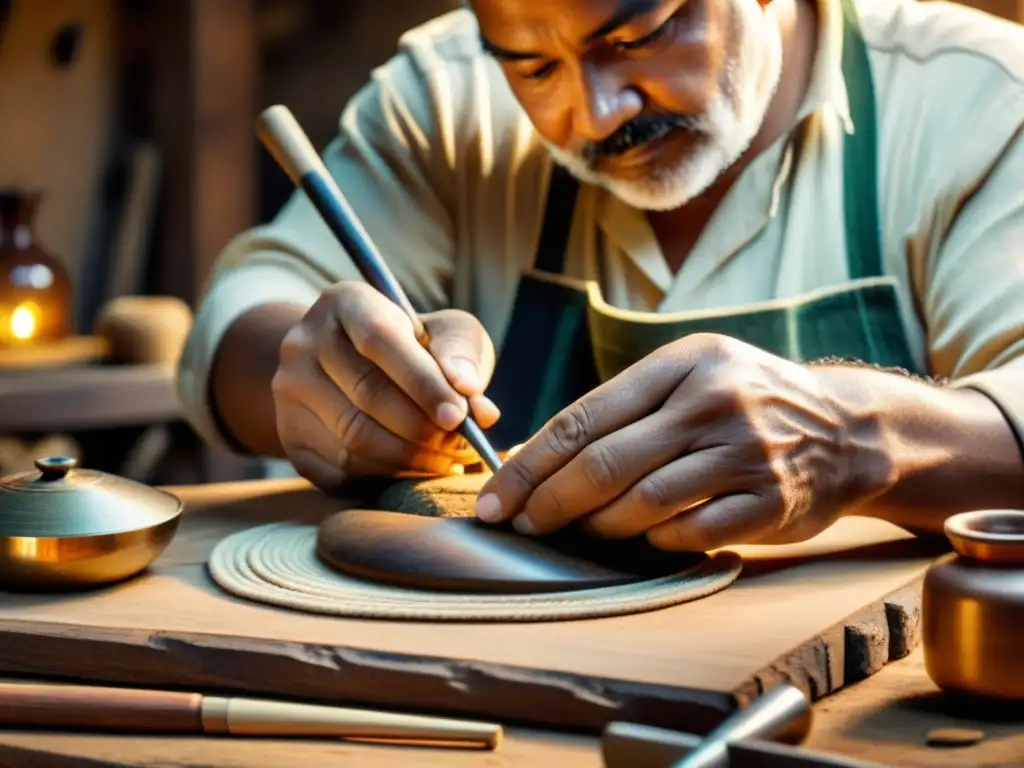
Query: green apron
(564,340)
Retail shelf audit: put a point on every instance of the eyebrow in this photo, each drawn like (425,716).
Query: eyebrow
(627,11)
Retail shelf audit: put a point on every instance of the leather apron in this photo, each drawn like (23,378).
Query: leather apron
(563,339)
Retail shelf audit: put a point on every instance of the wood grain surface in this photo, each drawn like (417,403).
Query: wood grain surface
(88,397)
(73,350)
(797,613)
(89,707)
(884,719)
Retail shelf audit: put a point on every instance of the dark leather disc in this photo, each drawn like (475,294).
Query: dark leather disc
(466,555)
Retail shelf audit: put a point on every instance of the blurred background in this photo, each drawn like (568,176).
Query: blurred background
(127,161)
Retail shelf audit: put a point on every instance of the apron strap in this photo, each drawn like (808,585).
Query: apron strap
(860,155)
(558,211)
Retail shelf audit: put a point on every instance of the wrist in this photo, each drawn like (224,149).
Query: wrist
(868,441)
(927,451)
(240,378)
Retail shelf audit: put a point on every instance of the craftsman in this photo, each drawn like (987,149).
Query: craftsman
(729,270)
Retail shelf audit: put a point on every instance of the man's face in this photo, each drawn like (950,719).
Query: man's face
(652,99)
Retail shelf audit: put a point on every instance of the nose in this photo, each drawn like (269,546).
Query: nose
(605,103)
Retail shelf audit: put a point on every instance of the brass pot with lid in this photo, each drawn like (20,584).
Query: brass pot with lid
(65,527)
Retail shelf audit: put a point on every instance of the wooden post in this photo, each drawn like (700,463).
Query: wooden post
(198,103)
(203,105)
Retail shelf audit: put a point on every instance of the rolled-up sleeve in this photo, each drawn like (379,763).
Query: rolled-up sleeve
(974,296)
(389,161)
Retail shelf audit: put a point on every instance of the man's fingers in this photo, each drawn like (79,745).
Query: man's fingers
(462,348)
(381,333)
(601,473)
(352,440)
(365,440)
(307,443)
(373,392)
(314,453)
(629,397)
(677,487)
(742,518)
(484,411)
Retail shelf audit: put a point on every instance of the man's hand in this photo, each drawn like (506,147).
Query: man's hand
(707,442)
(357,395)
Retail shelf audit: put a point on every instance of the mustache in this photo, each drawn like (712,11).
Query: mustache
(637,132)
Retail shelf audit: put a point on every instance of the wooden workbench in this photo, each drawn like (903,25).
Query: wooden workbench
(883,719)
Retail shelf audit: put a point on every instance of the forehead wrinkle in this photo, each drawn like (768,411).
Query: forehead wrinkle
(531,27)
(538,37)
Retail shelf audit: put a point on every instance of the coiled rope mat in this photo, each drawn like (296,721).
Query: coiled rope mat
(277,564)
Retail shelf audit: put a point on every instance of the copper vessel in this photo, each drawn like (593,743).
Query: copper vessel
(36,297)
(63,527)
(972,610)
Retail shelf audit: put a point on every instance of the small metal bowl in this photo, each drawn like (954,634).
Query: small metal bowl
(62,527)
(972,611)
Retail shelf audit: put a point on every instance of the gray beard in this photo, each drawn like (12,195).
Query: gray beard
(726,129)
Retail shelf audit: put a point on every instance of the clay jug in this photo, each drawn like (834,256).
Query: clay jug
(35,290)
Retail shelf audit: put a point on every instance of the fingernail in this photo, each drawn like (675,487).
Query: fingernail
(488,508)
(449,416)
(467,374)
(523,525)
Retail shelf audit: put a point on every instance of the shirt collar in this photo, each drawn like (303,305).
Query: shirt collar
(827,87)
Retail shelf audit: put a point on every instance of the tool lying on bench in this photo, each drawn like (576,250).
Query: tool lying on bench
(126,710)
(762,735)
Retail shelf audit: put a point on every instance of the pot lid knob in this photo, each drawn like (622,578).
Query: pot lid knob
(55,467)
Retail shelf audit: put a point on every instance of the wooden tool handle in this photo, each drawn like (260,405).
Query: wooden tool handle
(256,717)
(284,138)
(291,148)
(82,707)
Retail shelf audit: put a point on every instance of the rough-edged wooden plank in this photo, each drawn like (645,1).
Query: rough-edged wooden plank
(903,614)
(532,697)
(883,633)
(335,674)
(850,651)
(806,666)
(784,619)
(867,643)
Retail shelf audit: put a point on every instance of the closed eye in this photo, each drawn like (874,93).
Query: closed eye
(646,40)
(541,73)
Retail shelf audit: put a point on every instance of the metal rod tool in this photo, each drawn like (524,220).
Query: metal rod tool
(291,148)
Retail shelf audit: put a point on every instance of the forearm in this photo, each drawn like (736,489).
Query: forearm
(243,368)
(951,450)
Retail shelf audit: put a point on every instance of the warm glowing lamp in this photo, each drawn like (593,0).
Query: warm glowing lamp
(35,291)
(24,321)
